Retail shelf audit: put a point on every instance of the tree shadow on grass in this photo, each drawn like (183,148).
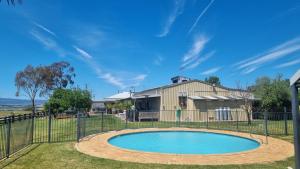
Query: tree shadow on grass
(14,157)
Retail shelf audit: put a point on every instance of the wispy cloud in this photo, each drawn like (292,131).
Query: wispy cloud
(48,42)
(121,82)
(251,64)
(200,16)
(83,53)
(200,60)
(211,71)
(113,80)
(192,58)
(287,64)
(158,60)
(140,77)
(90,36)
(44,28)
(177,10)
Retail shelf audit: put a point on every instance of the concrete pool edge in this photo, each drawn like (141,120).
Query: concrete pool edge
(98,146)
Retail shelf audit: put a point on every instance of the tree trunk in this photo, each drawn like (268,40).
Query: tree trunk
(33,106)
(249,118)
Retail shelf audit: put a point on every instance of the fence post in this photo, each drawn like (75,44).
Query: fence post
(84,117)
(49,126)
(285,124)
(237,120)
(8,132)
(266,123)
(126,118)
(207,119)
(102,121)
(32,125)
(78,126)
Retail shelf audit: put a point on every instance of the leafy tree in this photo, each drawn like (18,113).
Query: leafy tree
(245,93)
(32,81)
(274,93)
(40,80)
(213,80)
(12,2)
(61,74)
(69,99)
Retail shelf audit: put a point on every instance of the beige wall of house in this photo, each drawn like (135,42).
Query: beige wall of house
(196,110)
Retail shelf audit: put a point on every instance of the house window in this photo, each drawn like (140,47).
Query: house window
(183,102)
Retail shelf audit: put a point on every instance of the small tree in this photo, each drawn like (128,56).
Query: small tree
(40,80)
(245,94)
(274,93)
(213,80)
(64,99)
(32,81)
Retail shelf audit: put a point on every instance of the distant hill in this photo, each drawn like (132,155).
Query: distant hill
(8,102)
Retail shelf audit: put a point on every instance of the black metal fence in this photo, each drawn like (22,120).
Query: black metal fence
(17,132)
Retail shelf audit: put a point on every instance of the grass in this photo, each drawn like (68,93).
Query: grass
(63,155)
(15,112)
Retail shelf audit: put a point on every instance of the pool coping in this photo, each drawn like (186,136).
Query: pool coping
(98,146)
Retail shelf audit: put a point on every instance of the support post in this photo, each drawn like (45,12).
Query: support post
(78,126)
(285,123)
(237,120)
(8,132)
(296,122)
(32,125)
(266,123)
(126,118)
(102,125)
(207,119)
(49,126)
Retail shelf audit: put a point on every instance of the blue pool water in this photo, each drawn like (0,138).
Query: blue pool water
(183,142)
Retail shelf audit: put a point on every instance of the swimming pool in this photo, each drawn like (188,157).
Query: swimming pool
(183,142)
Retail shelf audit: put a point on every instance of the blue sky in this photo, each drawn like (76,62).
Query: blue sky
(115,45)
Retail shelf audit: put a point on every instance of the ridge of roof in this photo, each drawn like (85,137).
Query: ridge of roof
(195,80)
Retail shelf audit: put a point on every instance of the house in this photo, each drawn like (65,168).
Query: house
(98,107)
(198,101)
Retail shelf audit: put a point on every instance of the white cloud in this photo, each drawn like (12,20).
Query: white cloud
(140,77)
(112,80)
(83,53)
(178,10)
(90,37)
(158,60)
(287,64)
(200,16)
(44,29)
(211,71)
(251,64)
(48,43)
(119,81)
(200,60)
(192,58)
(198,46)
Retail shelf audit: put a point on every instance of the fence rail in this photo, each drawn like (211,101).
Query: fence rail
(17,132)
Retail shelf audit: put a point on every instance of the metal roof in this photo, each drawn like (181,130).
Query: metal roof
(145,96)
(218,97)
(191,81)
(119,96)
(295,79)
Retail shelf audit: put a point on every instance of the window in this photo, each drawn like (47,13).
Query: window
(183,102)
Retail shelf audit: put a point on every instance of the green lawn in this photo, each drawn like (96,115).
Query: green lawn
(63,155)
(10,113)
